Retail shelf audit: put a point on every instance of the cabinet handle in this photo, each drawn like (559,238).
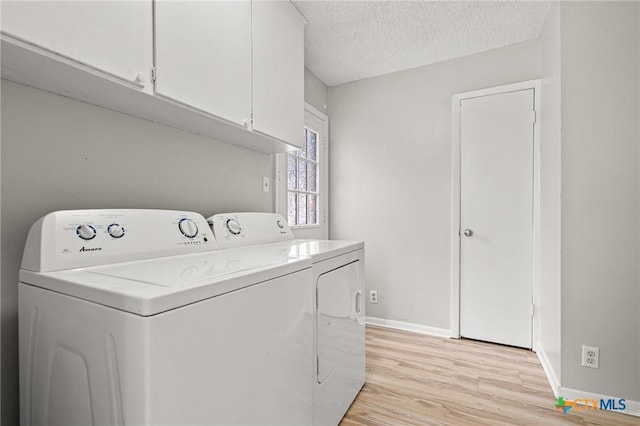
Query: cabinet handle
(359,301)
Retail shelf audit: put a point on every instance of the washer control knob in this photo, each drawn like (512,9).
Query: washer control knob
(115,230)
(280,224)
(188,227)
(233,226)
(86,232)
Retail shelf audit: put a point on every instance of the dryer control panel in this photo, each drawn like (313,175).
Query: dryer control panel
(80,238)
(245,229)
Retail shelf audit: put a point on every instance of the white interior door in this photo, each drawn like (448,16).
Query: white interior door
(496,217)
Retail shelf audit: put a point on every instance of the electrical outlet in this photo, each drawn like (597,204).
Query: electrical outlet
(373,296)
(590,356)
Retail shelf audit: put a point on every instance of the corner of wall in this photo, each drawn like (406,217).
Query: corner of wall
(600,50)
(547,297)
(638,310)
(315,91)
(549,371)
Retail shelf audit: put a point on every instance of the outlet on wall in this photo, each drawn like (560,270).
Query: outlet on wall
(590,356)
(373,296)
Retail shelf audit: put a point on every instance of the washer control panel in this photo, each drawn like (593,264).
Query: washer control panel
(115,230)
(188,227)
(86,232)
(244,229)
(79,238)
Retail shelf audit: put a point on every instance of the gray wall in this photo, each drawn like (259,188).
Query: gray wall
(600,195)
(62,154)
(315,91)
(1,315)
(548,291)
(391,171)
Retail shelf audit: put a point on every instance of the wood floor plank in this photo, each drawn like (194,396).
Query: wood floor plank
(414,379)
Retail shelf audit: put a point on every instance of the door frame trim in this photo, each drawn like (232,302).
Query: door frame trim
(455,198)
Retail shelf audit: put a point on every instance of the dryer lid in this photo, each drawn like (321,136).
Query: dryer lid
(320,250)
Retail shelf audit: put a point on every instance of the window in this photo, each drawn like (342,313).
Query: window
(302,189)
(303,171)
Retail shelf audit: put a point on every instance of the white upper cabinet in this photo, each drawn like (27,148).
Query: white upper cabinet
(228,70)
(203,56)
(278,71)
(114,37)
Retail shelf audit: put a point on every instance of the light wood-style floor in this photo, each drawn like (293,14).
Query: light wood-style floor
(413,379)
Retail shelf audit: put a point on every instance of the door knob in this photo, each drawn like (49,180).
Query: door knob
(468,232)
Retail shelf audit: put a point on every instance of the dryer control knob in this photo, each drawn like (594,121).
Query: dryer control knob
(280,224)
(115,230)
(233,226)
(188,227)
(86,232)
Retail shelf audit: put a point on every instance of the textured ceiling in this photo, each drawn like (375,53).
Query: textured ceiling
(352,40)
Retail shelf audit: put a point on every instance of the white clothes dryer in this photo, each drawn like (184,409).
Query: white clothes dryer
(339,317)
(131,317)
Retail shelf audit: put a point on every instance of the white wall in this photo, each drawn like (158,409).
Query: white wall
(600,195)
(58,153)
(390,164)
(548,300)
(315,91)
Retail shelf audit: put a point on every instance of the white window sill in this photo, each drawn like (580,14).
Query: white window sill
(293,228)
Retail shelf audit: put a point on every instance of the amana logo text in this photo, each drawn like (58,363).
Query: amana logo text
(90,249)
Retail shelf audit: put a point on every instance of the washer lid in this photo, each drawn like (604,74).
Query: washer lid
(149,287)
(186,271)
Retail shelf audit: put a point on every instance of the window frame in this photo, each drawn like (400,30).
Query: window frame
(306,159)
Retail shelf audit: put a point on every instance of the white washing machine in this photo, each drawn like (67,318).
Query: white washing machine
(131,317)
(339,318)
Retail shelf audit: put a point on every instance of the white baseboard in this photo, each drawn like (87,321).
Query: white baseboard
(554,382)
(633,407)
(407,326)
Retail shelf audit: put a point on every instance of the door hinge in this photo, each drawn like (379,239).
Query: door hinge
(534,116)
(533,310)
(154,73)
(317,366)
(316,299)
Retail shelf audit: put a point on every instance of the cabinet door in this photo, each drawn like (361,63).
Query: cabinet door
(111,36)
(203,56)
(278,71)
